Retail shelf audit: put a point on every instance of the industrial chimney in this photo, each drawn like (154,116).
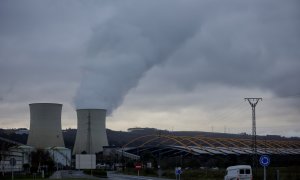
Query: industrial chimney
(45,125)
(91,132)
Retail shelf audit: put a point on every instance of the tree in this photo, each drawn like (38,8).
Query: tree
(41,158)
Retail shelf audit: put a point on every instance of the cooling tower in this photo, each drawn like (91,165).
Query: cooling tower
(91,132)
(45,125)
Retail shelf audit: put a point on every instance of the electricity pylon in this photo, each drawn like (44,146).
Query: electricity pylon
(253,102)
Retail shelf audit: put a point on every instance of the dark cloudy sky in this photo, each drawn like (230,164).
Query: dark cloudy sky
(172,64)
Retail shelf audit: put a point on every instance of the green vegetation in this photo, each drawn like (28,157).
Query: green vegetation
(40,157)
(96,172)
(190,174)
(286,173)
(142,172)
(17,178)
(21,177)
(30,177)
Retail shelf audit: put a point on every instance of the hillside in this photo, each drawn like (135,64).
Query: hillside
(120,138)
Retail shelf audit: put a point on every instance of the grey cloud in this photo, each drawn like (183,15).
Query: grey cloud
(98,52)
(122,50)
(238,44)
(248,48)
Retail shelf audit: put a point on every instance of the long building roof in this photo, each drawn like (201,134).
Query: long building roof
(199,145)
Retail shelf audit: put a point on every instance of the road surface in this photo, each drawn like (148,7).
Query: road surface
(115,176)
(111,176)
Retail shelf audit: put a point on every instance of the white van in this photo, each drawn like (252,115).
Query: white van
(239,172)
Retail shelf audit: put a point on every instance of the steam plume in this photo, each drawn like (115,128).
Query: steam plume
(123,49)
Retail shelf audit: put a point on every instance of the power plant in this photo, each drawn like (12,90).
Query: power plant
(91,131)
(45,126)
(46,134)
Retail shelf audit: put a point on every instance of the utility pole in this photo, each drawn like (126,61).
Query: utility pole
(253,102)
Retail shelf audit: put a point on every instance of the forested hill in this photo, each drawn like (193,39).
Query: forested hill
(119,138)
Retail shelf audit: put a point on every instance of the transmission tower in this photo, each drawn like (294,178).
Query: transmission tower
(253,102)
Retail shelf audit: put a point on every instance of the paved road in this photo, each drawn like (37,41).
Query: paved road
(111,176)
(71,174)
(114,176)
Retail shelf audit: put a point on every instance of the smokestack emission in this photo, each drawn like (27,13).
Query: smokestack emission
(122,50)
(91,131)
(45,125)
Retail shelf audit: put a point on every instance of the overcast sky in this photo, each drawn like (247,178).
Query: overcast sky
(175,65)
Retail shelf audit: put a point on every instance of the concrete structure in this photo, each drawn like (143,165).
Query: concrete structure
(85,161)
(60,155)
(22,154)
(91,131)
(45,126)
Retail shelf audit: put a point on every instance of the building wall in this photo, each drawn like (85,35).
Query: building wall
(20,154)
(91,131)
(60,155)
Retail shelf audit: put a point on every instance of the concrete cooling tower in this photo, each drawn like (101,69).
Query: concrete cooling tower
(91,132)
(45,125)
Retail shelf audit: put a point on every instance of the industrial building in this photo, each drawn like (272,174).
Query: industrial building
(46,133)
(60,155)
(21,155)
(91,131)
(170,146)
(45,126)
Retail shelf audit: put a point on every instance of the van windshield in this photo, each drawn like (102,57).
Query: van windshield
(245,171)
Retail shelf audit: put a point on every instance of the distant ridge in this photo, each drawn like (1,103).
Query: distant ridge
(120,138)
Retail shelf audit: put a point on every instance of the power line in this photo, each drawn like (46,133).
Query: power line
(229,113)
(291,95)
(234,111)
(297,95)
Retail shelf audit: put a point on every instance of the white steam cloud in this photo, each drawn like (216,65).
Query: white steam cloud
(123,49)
(244,44)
